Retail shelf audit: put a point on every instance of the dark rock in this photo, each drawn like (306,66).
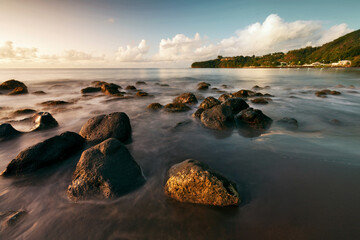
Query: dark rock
(259,101)
(219,117)
(11,218)
(39,93)
(257,88)
(130,87)
(142,94)
(90,90)
(198,113)
(44,154)
(140,83)
(325,92)
(164,85)
(44,120)
(192,181)
(104,171)
(54,103)
(8,132)
(155,106)
(289,123)
(12,84)
(224,86)
(243,94)
(188,98)
(224,97)
(253,118)
(111,89)
(115,125)
(19,90)
(25,111)
(236,104)
(209,102)
(203,86)
(176,107)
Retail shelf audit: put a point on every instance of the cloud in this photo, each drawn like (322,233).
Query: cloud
(8,52)
(132,54)
(110,20)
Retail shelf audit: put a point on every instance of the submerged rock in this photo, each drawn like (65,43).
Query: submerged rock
(219,117)
(99,128)
(104,171)
(155,106)
(325,92)
(188,98)
(44,120)
(11,218)
(90,90)
(25,111)
(253,118)
(236,104)
(192,181)
(209,102)
(176,107)
(44,154)
(8,132)
(289,123)
(54,103)
(12,84)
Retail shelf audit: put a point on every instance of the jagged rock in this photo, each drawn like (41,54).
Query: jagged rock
(219,117)
(99,128)
(209,102)
(259,101)
(104,171)
(19,90)
(11,218)
(192,181)
(243,93)
(176,107)
(289,123)
(188,98)
(54,103)
(253,118)
(198,113)
(7,132)
(12,84)
(44,120)
(236,104)
(90,90)
(155,106)
(44,154)
(25,111)
(325,92)
(142,94)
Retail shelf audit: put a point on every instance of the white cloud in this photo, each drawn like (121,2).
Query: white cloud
(333,33)
(8,52)
(132,54)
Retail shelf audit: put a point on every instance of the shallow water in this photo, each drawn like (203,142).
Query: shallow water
(301,184)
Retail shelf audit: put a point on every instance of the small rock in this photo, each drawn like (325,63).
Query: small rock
(203,86)
(54,103)
(140,83)
(192,181)
(25,111)
(115,125)
(155,106)
(188,98)
(39,93)
(325,92)
(8,132)
(130,87)
(176,107)
(253,118)
(198,113)
(104,171)
(243,94)
(219,117)
(44,120)
(90,90)
(44,154)
(142,94)
(259,101)
(209,102)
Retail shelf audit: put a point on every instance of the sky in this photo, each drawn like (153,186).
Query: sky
(143,33)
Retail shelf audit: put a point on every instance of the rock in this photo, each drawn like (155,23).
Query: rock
(142,94)
(140,83)
(192,181)
(182,123)
(188,98)
(111,89)
(209,102)
(236,104)
(289,123)
(7,132)
(325,92)
(352,86)
(259,101)
(164,85)
(44,154)
(257,88)
(155,106)
(105,170)
(219,117)
(12,84)
(19,90)
(203,86)
(90,90)
(253,118)
(224,86)
(54,103)
(44,120)
(130,87)
(243,94)
(39,93)
(176,107)
(99,128)
(224,97)
(25,111)
(10,218)
(198,113)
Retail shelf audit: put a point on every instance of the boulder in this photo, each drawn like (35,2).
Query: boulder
(259,101)
(219,117)
(209,102)
(188,98)
(44,154)
(253,118)
(99,128)
(192,181)
(7,132)
(155,106)
(105,170)
(236,104)
(90,90)
(176,107)
(19,90)
(198,113)
(44,120)
(12,84)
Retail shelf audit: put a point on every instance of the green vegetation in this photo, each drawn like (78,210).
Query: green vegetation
(344,48)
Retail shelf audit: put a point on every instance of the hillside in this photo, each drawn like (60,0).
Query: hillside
(346,47)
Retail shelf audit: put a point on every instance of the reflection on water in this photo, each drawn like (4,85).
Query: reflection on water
(300,183)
